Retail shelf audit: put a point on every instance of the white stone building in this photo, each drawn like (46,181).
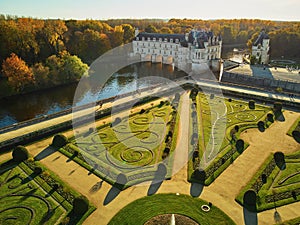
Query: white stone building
(261,47)
(193,48)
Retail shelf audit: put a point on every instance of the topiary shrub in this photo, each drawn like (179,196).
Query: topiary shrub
(229,100)
(20,154)
(236,128)
(195,154)
(37,170)
(55,186)
(264,178)
(261,126)
(270,117)
(279,160)
(199,175)
(277,106)
(212,96)
(142,111)
(240,145)
(296,135)
(250,200)
(80,205)
(251,104)
(59,140)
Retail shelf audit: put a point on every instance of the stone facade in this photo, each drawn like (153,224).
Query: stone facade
(261,47)
(195,47)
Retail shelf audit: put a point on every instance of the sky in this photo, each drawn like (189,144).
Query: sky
(286,10)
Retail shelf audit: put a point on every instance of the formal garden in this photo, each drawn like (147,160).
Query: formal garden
(166,204)
(129,150)
(31,194)
(216,124)
(276,183)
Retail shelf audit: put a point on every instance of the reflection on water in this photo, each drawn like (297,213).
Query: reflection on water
(20,108)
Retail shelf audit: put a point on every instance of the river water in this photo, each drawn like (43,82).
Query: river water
(19,108)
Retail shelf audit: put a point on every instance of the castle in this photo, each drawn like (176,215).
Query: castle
(260,48)
(193,48)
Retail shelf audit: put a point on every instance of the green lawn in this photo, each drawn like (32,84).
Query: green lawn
(221,116)
(280,184)
(141,210)
(293,127)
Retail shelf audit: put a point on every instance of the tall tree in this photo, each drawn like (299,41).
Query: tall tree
(151,29)
(18,74)
(128,33)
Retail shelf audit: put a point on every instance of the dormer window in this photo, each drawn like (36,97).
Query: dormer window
(171,40)
(154,39)
(143,38)
(160,39)
(148,39)
(176,41)
(166,39)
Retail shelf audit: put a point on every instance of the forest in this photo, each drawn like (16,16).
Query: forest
(38,53)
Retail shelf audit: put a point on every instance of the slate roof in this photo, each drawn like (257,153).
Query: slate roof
(199,36)
(263,35)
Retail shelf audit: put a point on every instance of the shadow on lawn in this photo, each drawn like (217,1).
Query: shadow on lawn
(158,179)
(45,153)
(111,195)
(196,189)
(250,218)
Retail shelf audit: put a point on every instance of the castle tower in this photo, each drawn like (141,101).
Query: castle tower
(261,47)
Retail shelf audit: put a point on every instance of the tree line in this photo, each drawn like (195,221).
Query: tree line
(52,52)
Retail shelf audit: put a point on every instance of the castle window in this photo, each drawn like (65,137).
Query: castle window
(154,39)
(160,39)
(143,38)
(148,39)
(176,41)
(166,39)
(171,40)
(137,38)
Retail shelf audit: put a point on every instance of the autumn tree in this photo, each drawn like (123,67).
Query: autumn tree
(18,74)
(165,30)
(128,33)
(41,74)
(116,36)
(151,29)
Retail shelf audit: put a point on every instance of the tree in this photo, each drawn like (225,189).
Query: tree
(18,74)
(72,67)
(128,33)
(20,154)
(40,73)
(165,30)
(116,37)
(151,29)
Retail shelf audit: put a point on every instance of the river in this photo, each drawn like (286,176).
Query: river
(23,107)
